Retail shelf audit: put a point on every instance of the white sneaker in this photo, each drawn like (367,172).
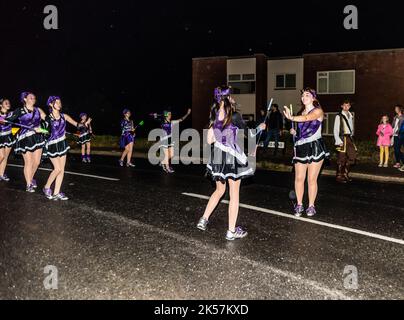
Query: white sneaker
(238,234)
(202,224)
(61,197)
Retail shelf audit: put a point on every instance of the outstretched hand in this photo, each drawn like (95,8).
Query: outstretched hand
(288,113)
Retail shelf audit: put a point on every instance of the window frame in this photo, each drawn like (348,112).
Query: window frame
(326,124)
(242,80)
(284,81)
(328,81)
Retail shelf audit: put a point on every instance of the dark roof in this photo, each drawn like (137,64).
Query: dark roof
(302,56)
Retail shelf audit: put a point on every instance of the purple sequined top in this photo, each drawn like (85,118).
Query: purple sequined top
(308,129)
(167,127)
(127,126)
(226,136)
(83,129)
(29,119)
(5,127)
(57,127)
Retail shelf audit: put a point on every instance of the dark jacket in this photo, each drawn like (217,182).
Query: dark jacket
(401,132)
(275,121)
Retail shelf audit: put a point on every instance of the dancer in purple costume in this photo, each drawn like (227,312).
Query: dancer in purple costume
(310,149)
(30,142)
(85,133)
(57,147)
(127,140)
(228,163)
(6,138)
(167,141)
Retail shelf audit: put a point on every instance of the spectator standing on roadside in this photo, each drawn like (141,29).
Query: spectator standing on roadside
(397,123)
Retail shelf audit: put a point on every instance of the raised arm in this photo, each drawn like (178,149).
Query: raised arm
(315,115)
(184,117)
(71,121)
(240,123)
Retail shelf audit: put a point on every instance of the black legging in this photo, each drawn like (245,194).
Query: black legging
(398,143)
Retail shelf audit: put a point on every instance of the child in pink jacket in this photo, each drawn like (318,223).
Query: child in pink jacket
(384,132)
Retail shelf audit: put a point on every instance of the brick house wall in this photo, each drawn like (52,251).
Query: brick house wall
(207,74)
(379,84)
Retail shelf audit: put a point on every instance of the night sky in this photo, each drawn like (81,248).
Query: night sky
(138,54)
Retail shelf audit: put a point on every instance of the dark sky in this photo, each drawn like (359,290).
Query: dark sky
(107,55)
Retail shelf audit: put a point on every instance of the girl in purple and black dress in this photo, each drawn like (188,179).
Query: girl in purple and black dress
(85,134)
(6,138)
(310,150)
(30,142)
(167,141)
(228,163)
(57,147)
(127,140)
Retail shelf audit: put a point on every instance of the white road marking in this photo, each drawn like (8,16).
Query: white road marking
(71,173)
(216,252)
(290,216)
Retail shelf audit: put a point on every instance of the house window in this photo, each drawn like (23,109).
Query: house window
(242,83)
(234,77)
(336,82)
(328,123)
(285,81)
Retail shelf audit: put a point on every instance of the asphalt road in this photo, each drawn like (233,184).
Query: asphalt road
(130,234)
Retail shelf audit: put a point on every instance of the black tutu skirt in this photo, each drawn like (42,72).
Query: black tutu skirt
(311,152)
(7,141)
(55,150)
(84,139)
(29,143)
(227,164)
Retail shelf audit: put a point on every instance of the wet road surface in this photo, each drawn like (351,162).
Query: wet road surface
(130,234)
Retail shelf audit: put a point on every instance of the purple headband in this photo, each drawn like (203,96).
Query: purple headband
(311,91)
(24,95)
(220,94)
(125,111)
(52,99)
(82,115)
